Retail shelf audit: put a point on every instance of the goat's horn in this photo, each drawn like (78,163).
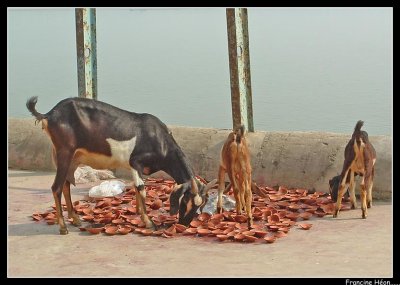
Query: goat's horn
(194,188)
(210,185)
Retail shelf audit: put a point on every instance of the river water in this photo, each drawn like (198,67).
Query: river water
(312,69)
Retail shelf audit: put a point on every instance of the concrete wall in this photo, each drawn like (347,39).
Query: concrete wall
(294,159)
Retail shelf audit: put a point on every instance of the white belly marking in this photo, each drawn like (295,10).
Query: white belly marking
(121,150)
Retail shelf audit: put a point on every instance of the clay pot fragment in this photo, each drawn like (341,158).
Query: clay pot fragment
(280,234)
(36,217)
(273,218)
(217,232)
(240,218)
(305,215)
(222,237)
(170,231)
(88,218)
(260,233)
(116,202)
(319,213)
(190,231)
(180,228)
(203,232)
(217,216)
(157,204)
(292,216)
(275,198)
(273,228)
(95,229)
(195,223)
(250,238)
(204,217)
(118,221)
(111,230)
(147,232)
(248,233)
(302,192)
(239,237)
(328,208)
(270,239)
(305,226)
(123,230)
(158,233)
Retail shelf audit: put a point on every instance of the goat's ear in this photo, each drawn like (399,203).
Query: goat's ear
(193,187)
(178,190)
(210,185)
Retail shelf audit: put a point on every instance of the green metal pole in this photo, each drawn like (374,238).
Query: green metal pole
(239,66)
(85,21)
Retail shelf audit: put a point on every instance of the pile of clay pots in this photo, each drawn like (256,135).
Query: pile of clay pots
(275,212)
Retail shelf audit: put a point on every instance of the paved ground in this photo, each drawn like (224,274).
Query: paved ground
(343,247)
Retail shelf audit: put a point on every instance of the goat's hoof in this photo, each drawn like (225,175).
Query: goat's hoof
(353,206)
(64,231)
(335,214)
(369,205)
(249,224)
(364,215)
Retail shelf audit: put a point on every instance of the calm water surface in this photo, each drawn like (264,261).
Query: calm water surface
(317,69)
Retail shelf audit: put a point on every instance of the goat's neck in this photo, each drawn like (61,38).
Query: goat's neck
(178,167)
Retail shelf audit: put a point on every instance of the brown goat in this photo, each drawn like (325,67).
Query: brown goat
(359,159)
(235,160)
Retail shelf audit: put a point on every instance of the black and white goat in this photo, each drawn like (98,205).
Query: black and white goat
(94,133)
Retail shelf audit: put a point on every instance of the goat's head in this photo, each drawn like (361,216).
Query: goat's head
(187,198)
(334,187)
(238,134)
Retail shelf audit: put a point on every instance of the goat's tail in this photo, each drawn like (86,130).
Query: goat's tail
(240,131)
(357,129)
(30,104)
(359,124)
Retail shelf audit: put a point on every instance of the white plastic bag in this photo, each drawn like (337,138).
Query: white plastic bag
(228,203)
(107,189)
(85,174)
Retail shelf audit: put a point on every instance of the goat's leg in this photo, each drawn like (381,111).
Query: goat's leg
(137,161)
(242,192)
(363,194)
(71,213)
(236,193)
(365,185)
(221,187)
(352,187)
(140,200)
(342,188)
(248,199)
(369,197)
(63,162)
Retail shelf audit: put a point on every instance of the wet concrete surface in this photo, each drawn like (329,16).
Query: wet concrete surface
(344,247)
